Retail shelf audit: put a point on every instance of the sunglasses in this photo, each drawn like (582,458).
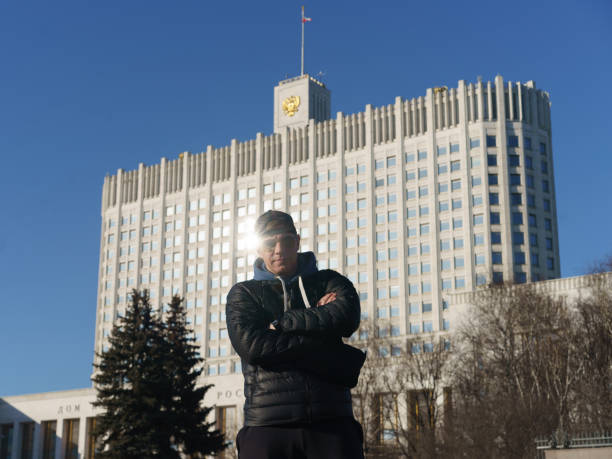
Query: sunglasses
(286,241)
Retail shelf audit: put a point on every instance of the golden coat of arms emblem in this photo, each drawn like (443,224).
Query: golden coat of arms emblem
(290,105)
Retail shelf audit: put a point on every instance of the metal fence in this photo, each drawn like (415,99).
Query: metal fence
(564,440)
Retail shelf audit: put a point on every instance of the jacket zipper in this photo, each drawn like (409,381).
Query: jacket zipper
(306,378)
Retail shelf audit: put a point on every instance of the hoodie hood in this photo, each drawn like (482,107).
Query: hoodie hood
(307,264)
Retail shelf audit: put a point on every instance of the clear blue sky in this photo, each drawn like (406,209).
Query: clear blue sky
(89,87)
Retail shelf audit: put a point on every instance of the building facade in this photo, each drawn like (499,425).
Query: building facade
(417,202)
(413,201)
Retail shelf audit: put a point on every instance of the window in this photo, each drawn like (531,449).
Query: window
(493,198)
(530,181)
(476,180)
(516,199)
(444,225)
(491,142)
(496,258)
(409,157)
(479,239)
(447,284)
(542,148)
(456,204)
(445,244)
(454,148)
(478,219)
(391,161)
(549,243)
(457,222)
(441,151)
(477,200)
(550,263)
(513,141)
(455,166)
(493,179)
(455,185)
(533,239)
(545,186)
(518,238)
(491,160)
(445,264)
(422,172)
(442,187)
(515,179)
(495,237)
(474,142)
(479,259)
(458,242)
(533,221)
(495,218)
(517,218)
(519,258)
(474,162)
(427,326)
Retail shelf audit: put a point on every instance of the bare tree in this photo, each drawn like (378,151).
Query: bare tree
(516,371)
(367,394)
(418,397)
(593,404)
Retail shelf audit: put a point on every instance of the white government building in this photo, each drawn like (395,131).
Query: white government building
(417,202)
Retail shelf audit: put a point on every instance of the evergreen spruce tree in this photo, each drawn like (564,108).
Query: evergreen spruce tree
(194,436)
(146,388)
(132,387)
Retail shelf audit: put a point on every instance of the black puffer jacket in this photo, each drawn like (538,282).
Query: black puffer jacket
(301,372)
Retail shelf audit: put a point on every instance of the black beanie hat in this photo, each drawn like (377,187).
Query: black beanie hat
(274,222)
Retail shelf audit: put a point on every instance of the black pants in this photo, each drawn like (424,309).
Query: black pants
(340,438)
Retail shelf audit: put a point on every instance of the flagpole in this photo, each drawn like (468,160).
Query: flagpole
(302,67)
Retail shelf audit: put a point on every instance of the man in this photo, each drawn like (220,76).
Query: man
(287,326)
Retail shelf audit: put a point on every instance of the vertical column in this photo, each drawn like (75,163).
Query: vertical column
(162,229)
(16,437)
(369,121)
(504,181)
(185,201)
(209,207)
(467,189)
(480,101)
(234,218)
(400,131)
(510,102)
(82,439)
(59,437)
(434,234)
(342,140)
(521,114)
(533,104)
(260,167)
(312,156)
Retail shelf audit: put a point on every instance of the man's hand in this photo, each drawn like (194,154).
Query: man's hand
(272,327)
(328,298)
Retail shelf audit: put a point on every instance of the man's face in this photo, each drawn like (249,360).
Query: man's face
(280,253)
